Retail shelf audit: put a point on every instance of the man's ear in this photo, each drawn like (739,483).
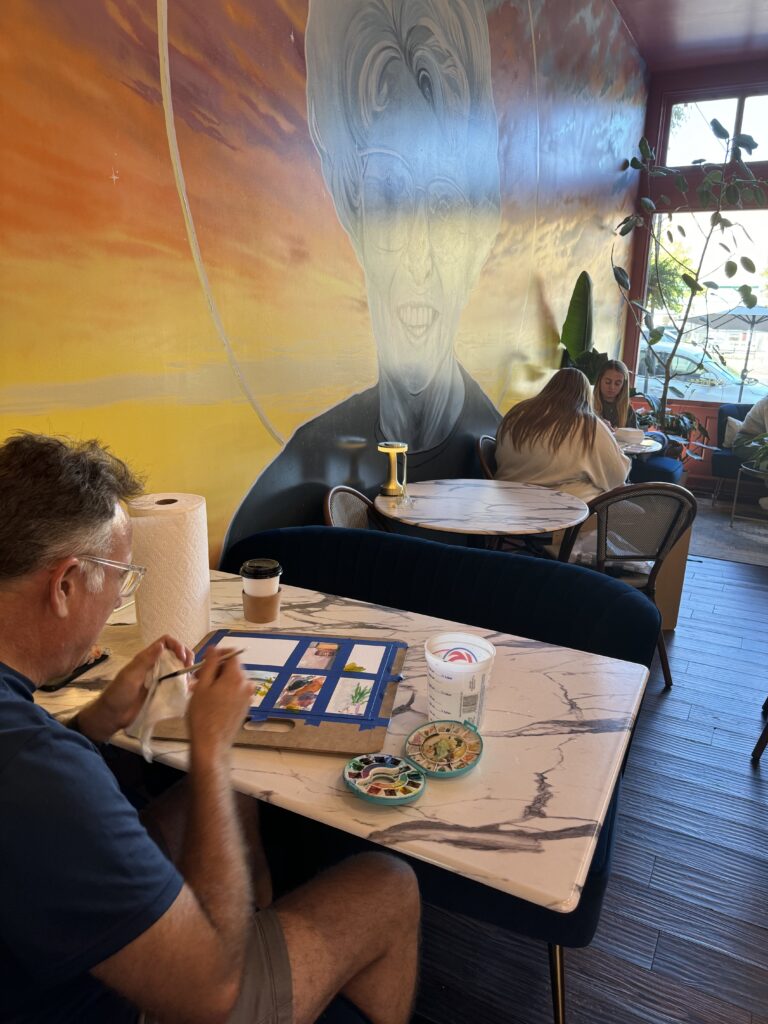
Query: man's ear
(64,580)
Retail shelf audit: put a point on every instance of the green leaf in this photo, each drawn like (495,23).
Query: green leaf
(664,200)
(624,164)
(724,223)
(626,228)
(750,301)
(711,284)
(732,194)
(645,149)
(681,182)
(634,162)
(698,160)
(648,321)
(724,246)
(655,335)
(591,363)
(747,263)
(648,204)
(657,173)
(715,218)
(681,230)
(730,268)
(577,329)
(759,195)
(718,129)
(714,176)
(691,282)
(639,305)
(747,195)
(670,238)
(621,277)
(745,142)
(745,291)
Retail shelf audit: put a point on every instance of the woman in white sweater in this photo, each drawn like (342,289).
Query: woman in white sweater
(556,440)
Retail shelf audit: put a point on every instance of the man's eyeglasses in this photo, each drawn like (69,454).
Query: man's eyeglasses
(132,575)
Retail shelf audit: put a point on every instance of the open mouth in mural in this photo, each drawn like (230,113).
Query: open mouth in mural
(417,318)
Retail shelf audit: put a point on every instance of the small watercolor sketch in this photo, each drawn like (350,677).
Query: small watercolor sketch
(365,658)
(319,655)
(350,697)
(262,684)
(264,650)
(300,693)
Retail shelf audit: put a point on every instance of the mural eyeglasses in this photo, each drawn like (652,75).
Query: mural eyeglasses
(391,199)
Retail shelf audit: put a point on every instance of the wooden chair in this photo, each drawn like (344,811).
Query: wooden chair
(344,506)
(636,528)
(486,452)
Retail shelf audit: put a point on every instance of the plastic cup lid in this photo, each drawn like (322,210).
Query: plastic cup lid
(260,568)
(444,749)
(384,779)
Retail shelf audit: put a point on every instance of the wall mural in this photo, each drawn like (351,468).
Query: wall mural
(246,242)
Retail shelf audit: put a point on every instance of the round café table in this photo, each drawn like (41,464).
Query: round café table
(493,507)
(647,446)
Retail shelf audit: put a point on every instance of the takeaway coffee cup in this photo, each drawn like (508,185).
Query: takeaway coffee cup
(458,669)
(261,589)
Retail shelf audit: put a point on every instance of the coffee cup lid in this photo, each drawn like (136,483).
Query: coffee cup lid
(260,569)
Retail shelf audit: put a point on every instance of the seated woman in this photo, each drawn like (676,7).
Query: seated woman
(610,395)
(556,440)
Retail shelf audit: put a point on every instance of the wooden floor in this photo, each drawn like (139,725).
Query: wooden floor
(684,931)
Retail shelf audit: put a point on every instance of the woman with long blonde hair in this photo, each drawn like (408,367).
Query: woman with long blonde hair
(555,439)
(611,395)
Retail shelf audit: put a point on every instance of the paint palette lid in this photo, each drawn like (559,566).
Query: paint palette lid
(444,749)
(384,779)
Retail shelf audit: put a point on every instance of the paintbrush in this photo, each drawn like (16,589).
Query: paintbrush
(198,666)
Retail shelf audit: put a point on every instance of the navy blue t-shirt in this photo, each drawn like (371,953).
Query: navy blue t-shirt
(80,877)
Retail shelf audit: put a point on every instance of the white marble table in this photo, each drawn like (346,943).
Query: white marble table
(556,727)
(648,446)
(493,507)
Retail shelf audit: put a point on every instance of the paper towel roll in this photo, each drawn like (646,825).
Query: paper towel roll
(170,537)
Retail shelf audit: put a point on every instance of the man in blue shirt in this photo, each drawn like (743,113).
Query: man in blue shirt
(96,923)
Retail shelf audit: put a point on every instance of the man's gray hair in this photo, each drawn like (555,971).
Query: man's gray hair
(351,47)
(58,498)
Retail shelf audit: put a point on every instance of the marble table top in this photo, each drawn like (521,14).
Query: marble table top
(496,507)
(525,821)
(647,446)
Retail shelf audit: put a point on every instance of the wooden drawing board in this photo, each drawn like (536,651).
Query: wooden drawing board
(327,693)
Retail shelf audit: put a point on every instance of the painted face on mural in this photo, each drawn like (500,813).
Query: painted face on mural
(415,237)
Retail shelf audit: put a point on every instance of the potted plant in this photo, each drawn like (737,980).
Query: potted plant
(576,334)
(675,279)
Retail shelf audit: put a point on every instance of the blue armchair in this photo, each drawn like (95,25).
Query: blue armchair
(725,465)
(552,602)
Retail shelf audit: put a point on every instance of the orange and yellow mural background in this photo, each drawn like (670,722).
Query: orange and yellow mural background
(106,328)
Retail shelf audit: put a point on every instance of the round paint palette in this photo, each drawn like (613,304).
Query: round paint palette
(444,750)
(384,779)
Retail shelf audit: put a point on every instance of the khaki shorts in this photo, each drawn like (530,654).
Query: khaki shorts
(266,995)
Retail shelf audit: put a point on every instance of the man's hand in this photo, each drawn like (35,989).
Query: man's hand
(117,706)
(218,705)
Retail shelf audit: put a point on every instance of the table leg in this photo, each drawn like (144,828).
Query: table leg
(735,496)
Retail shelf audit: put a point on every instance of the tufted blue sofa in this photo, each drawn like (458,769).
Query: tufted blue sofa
(552,602)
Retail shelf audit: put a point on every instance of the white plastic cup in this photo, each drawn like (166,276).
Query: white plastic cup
(261,577)
(458,667)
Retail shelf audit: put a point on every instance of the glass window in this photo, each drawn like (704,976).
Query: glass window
(754,123)
(690,134)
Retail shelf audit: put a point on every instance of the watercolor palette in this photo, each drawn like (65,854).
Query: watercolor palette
(444,750)
(384,779)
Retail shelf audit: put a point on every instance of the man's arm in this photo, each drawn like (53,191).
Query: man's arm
(120,702)
(187,967)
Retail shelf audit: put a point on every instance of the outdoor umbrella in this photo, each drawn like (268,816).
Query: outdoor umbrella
(738,318)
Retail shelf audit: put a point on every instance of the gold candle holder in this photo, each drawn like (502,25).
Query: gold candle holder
(394,487)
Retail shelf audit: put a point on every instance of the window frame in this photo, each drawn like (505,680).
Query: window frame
(729,81)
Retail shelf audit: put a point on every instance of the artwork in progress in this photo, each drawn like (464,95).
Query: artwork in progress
(312,692)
